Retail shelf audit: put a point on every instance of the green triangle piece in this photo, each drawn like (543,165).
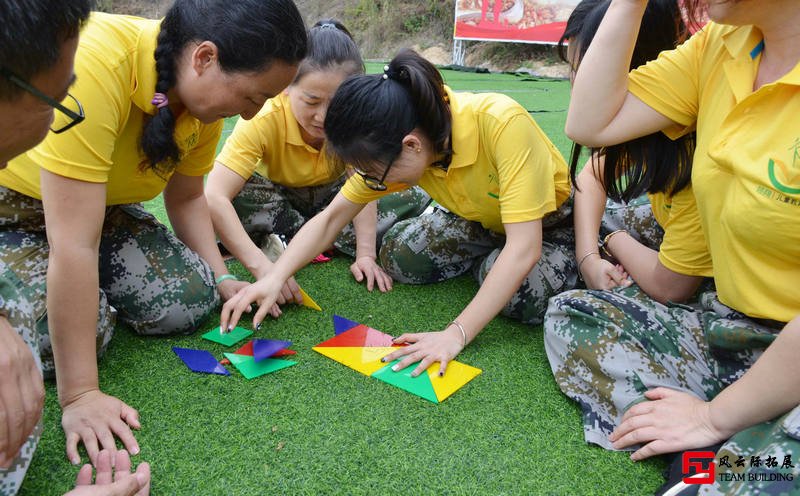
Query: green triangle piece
(251,369)
(229,338)
(420,385)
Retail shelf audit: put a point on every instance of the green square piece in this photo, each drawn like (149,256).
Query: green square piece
(229,338)
(251,369)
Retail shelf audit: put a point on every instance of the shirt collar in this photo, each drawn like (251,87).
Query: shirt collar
(746,43)
(145,68)
(464,132)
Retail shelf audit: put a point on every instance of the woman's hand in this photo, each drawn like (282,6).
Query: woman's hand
(427,348)
(95,419)
(602,274)
(366,268)
(264,292)
(671,421)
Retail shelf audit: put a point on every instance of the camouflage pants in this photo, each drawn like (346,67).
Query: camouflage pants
(148,277)
(636,217)
(441,245)
(606,348)
(265,208)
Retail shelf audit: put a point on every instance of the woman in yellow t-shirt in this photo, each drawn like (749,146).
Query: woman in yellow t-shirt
(153,94)
(656,239)
(274,173)
(501,187)
(659,379)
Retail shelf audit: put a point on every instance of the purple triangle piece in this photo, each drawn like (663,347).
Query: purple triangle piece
(265,348)
(341,324)
(200,361)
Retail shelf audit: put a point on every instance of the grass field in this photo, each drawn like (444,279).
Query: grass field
(321,428)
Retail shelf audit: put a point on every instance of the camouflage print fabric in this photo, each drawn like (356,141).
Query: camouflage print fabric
(147,276)
(441,245)
(636,217)
(606,348)
(265,208)
(20,314)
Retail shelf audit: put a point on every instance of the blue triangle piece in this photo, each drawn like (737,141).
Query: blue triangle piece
(200,361)
(341,324)
(265,348)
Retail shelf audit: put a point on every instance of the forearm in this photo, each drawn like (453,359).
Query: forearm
(503,280)
(72,305)
(365,225)
(767,390)
(229,228)
(601,86)
(645,268)
(191,221)
(590,200)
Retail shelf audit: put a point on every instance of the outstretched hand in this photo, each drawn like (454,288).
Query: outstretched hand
(671,421)
(426,348)
(113,479)
(365,268)
(95,419)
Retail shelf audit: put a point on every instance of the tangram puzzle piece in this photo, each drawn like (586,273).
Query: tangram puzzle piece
(247,349)
(200,361)
(265,348)
(251,369)
(428,384)
(361,348)
(360,335)
(229,338)
(341,324)
(364,360)
(308,302)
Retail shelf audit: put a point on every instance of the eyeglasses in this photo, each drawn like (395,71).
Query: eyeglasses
(70,111)
(372,182)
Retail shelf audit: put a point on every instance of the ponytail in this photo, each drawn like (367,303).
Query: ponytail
(370,115)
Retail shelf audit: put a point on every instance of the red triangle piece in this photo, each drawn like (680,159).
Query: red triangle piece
(247,349)
(283,352)
(359,336)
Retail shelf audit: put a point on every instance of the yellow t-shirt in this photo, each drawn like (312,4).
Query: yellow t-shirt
(504,169)
(683,249)
(270,145)
(116,79)
(746,172)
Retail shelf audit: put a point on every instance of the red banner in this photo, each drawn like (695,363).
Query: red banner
(526,21)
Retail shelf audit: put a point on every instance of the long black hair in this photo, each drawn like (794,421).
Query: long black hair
(370,115)
(249,34)
(653,163)
(330,46)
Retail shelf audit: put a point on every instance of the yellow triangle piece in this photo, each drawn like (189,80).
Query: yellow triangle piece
(366,360)
(456,376)
(308,302)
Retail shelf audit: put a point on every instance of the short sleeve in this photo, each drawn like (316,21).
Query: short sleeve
(527,164)
(684,249)
(85,152)
(356,191)
(670,84)
(245,147)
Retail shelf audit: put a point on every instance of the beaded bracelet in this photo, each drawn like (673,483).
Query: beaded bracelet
(225,277)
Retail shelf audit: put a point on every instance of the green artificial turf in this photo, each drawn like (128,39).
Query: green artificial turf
(321,428)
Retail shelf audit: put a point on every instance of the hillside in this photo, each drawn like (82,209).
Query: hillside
(381,27)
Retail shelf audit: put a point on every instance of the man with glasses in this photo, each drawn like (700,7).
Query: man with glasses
(38,41)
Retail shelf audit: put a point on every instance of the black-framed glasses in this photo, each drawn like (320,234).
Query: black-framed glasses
(70,110)
(373,182)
